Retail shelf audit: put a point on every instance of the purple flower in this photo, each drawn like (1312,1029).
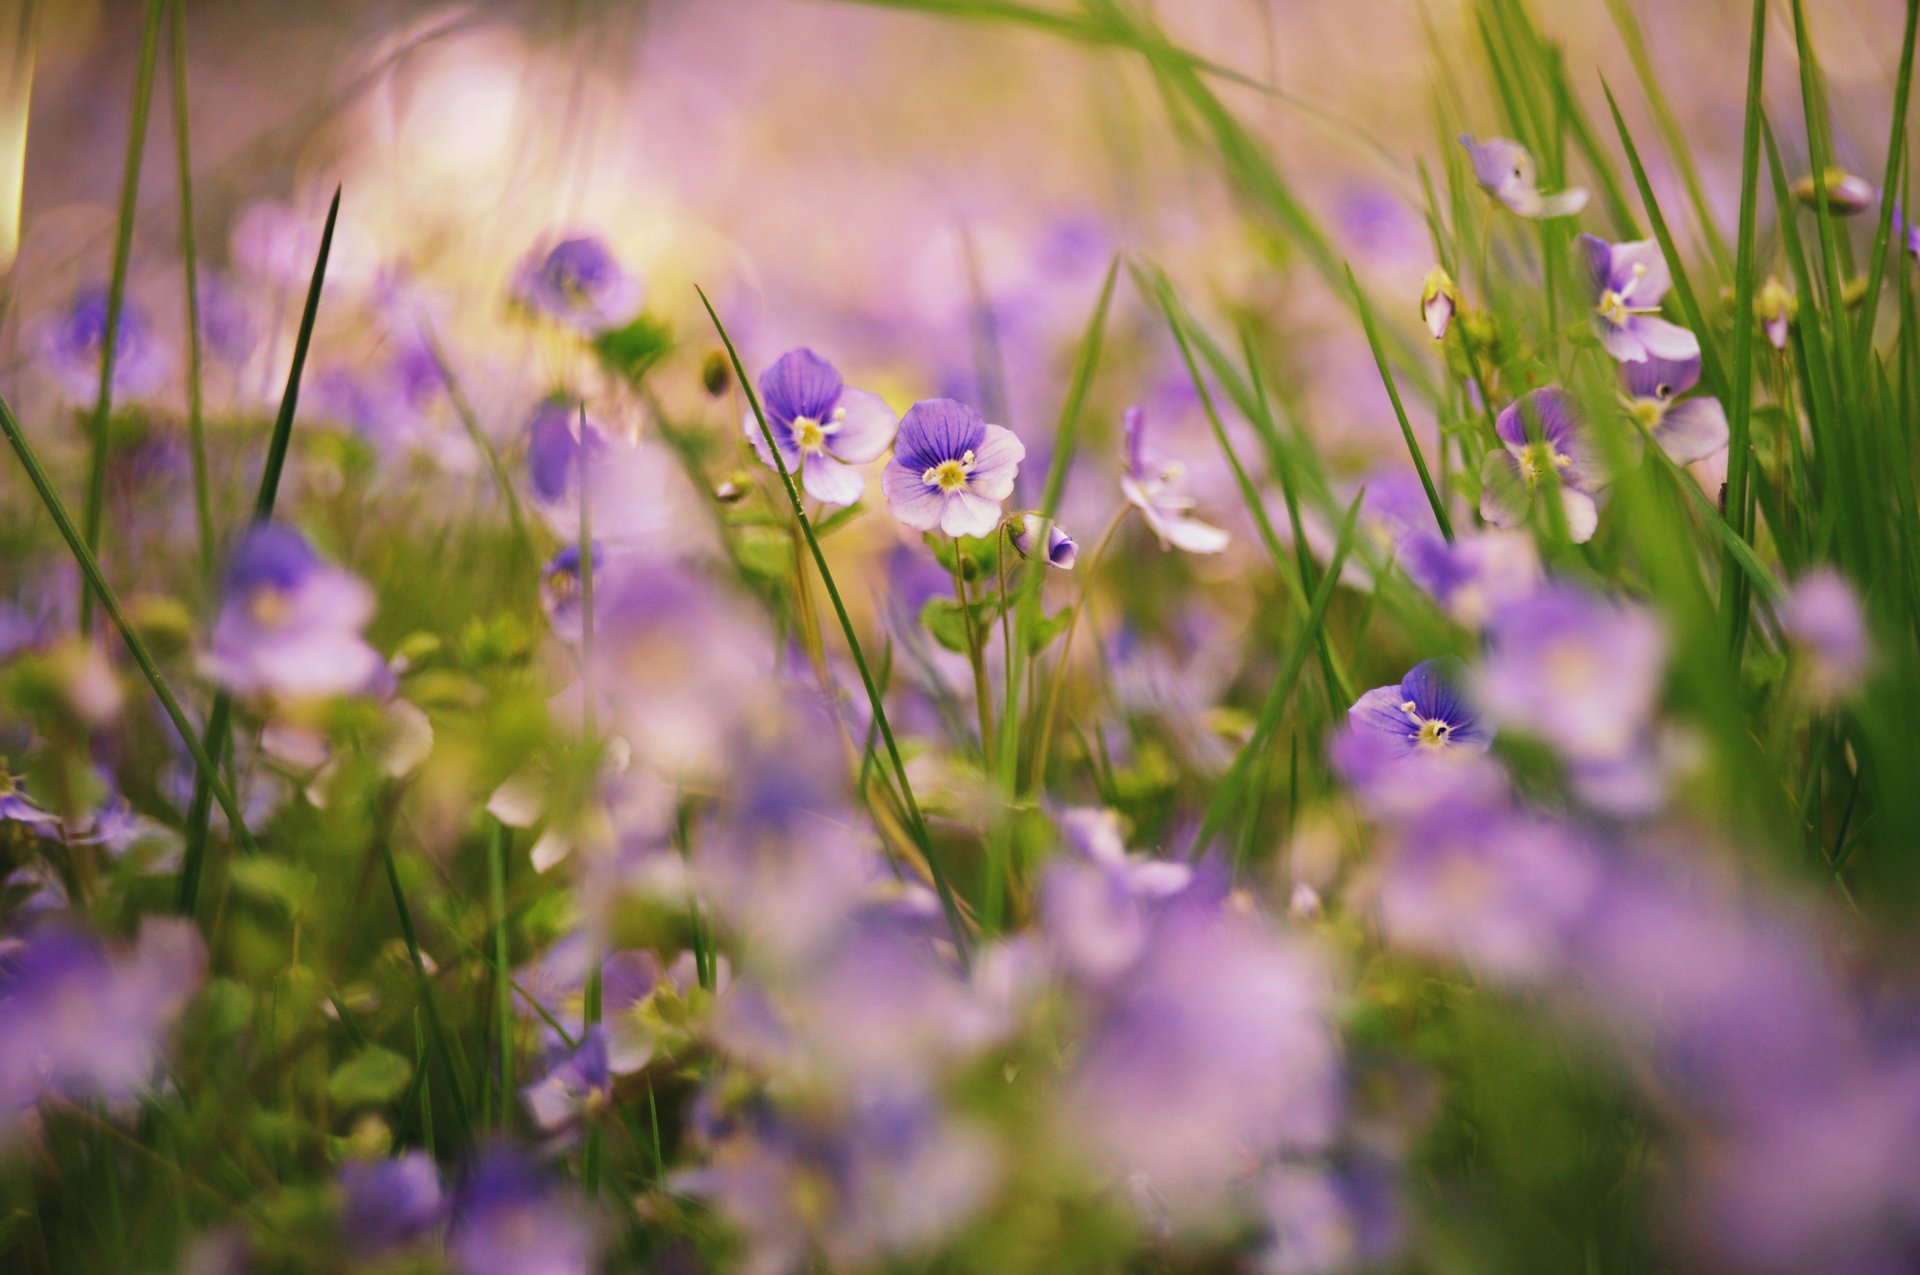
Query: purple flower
(578,284)
(1504,892)
(1061,549)
(1097,906)
(1438,300)
(1157,489)
(508,1220)
(1474,574)
(1425,710)
(72,343)
(1326,1221)
(1504,170)
(291,622)
(84,1022)
(950,469)
(822,427)
(1822,617)
(1577,670)
(17,807)
(1686,430)
(560,589)
(1629,280)
(1544,439)
(575,1090)
(637,498)
(387,1204)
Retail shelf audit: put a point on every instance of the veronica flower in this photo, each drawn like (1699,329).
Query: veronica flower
(560,589)
(1686,430)
(1097,905)
(578,284)
(1474,573)
(1822,617)
(1425,710)
(1542,436)
(388,1203)
(1579,671)
(950,469)
(1438,301)
(1158,490)
(822,427)
(636,496)
(1629,280)
(17,807)
(291,622)
(1025,534)
(72,343)
(575,1090)
(508,1220)
(1504,170)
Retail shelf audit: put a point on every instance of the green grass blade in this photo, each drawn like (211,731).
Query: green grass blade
(1740,397)
(95,509)
(917,824)
(96,581)
(219,719)
(1896,150)
(190,271)
(1399,408)
(436,1032)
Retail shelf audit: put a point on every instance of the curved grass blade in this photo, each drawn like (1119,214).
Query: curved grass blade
(917,821)
(97,582)
(219,719)
(1399,408)
(95,508)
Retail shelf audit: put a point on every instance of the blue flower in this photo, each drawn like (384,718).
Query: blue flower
(1061,549)
(509,1220)
(1504,170)
(1425,710)
(389,1203)
(291,622)
(575,1090)
(822,428)
(72,343)
(578,284)
(1628,281)
(950,469)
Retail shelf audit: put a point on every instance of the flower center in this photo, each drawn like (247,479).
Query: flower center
(1649,412)
(1613,305)
(269,606)
(810,435)
(1537,458)
(1432,733)
(949,475)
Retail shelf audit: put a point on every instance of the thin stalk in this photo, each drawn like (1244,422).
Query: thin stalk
(1399,409)
(189,259)
(436,1034)
(498,838)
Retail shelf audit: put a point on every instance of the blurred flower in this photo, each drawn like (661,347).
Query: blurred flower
(1542,435)
(1822,617)
(578,284)
(1474,573)
(1158,490)
(1579,671)
(560,589)
(1025,534)
(291,622)
(1097,905)
(1504,170)
(1424,711)
(508,1220)
(17,807)
(388,1203)
(576,1088)
(87,1023)
(1628,282)
(1686,431)
(822,427)
(1324,1221)
(1845,193)
(71,345)
(1438,300)
(950,469)
(636,499)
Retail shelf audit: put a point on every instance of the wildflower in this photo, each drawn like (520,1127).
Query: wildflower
(1846,194)
(1504,170)
(636,497)
(1438,300)
(17,807)
(950,469)
(508,1220)
(387,1204)
(1686,430)
(1025,534)
(1543,437)
(1822,617)
(575,1090)
(560,588)
(1629,280)
(1579,671)
(1425,710)
(822,427)
(1323,1220)
(291,622)
(72,343)
(578,284)
(1775,307)
(1158,490)
(1097,905)
(1473,574)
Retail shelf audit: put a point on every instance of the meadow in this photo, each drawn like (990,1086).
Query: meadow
(951,636)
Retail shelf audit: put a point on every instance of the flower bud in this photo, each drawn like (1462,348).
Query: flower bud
(1846,194)
(1438,301)
(1774,307)
(1024,531)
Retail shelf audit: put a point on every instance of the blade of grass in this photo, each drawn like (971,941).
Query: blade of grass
(1399,408)
(95,508)
(1896,150)
(96,581)
(1740,399)
(219,719)
(190,272)
(436,1033)
(917,821)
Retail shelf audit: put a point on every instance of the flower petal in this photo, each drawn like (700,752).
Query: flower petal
(996,459)
(1692,430)
(1504,498)
(830,482)
(914,503)
(800,383)
(1663,340)
(968,513)
(866,431)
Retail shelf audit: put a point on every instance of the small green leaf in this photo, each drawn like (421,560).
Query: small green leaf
(630,351)
(837,519)
(371,1077)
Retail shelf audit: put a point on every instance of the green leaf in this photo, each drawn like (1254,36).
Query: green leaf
(630,351)
(838,519)
(944,618)
(274,881)
(370,1078)
(1046,629)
